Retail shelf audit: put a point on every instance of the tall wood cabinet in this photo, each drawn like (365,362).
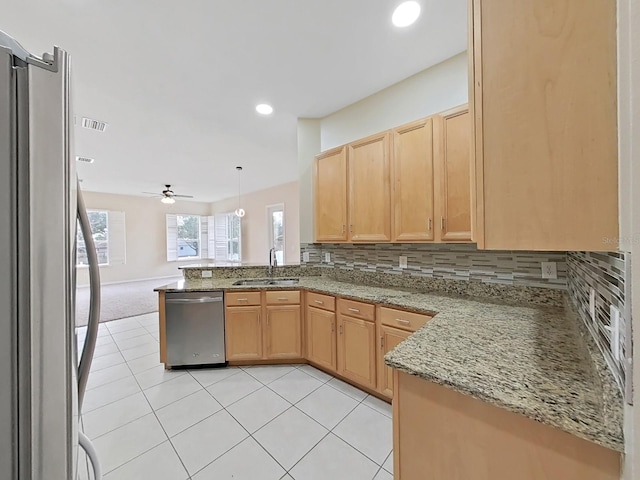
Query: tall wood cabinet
(455,175)
(369,189)
(543,78)
(412,182)
(330,180)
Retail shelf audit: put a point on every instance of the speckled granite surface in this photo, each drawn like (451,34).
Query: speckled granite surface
(236,271)
(527,359)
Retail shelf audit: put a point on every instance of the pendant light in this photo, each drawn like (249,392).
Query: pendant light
(239,211)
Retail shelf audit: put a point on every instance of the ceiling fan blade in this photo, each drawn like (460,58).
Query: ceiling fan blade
(154,194)
(182,196)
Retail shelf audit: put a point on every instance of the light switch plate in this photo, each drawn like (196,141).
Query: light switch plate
(592,304)
(305,256)
(207,274)
(327,257)
(403,261)
(549,270)
(614,329)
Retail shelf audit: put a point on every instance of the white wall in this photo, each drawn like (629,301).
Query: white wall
(146,236)
(433,90)
(629,148)
(255,236)
(308,148)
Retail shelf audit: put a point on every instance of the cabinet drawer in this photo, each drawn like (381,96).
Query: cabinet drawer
(400,319)
(325,302)
(354,309)
(283,297)
(242,299)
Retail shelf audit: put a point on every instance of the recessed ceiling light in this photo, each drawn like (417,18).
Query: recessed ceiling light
(264,109)
(405,14)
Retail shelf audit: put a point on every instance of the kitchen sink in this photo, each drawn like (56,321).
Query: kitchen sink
(268,281)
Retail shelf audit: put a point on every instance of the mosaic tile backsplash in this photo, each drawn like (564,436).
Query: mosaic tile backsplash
(450,261)
(608,274)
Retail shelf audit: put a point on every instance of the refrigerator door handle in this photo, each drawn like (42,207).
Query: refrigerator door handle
(94,305)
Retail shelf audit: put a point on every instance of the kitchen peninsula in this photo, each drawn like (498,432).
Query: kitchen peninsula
(527,360)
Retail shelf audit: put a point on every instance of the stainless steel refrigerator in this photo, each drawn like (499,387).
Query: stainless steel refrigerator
(41,377)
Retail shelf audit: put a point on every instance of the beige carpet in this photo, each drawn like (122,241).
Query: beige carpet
(121,300)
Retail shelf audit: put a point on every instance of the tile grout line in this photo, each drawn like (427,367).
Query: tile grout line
(157,419)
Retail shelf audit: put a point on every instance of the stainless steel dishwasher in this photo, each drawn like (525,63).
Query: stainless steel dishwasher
(195,328)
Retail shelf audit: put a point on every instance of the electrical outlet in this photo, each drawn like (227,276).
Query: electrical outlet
(592,304)
(403,261)
(207,274)
(305,256)
(614,329)
(327,257)
(549,270)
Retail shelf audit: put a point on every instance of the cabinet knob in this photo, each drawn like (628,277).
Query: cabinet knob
(333,328)
(351,228)
(442,223)
(429,224)
(340,329)
(404,322)
(353,310)
(319,302)
(381,342)
(344,228)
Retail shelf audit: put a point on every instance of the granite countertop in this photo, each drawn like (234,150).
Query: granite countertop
(527,359)
(204,266)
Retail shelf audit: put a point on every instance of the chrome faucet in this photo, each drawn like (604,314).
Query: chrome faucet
(273,261)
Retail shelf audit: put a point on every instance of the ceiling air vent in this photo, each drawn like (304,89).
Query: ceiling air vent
(85,159)
(94,124)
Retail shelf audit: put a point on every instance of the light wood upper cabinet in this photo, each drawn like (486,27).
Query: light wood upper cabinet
(321,337)
(544,93)
(389,339)
(282,333)
(243,333)
(330,183)
(357,350)
(412,182)
(455,175)
(369,189)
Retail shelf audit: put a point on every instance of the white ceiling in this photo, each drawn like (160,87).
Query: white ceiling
(178,81)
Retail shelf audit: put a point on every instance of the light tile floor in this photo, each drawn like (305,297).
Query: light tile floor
(250,423)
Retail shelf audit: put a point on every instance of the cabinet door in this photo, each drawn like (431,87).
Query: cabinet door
(330,179)
(369,190)
(389,339)
(455,174)
(357,350)
(412,182)
(243,333)
(321,337)
(546,124)
(282,332)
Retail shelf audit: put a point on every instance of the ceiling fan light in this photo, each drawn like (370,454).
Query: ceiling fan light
(168,200)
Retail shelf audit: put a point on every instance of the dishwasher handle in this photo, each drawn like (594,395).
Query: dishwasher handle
(194,300)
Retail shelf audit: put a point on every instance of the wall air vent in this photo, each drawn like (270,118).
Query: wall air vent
(94,124)
(85,159)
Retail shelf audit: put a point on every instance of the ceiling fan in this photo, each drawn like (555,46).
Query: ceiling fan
(168,196)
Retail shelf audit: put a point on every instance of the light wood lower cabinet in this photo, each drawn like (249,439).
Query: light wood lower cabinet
(390,338)
(243,333)
(356,350)
(321,337)
(456,437)
(282,332)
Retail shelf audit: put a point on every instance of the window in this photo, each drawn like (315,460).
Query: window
(188,236)
(227,237)
(275,223)
(99,222)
